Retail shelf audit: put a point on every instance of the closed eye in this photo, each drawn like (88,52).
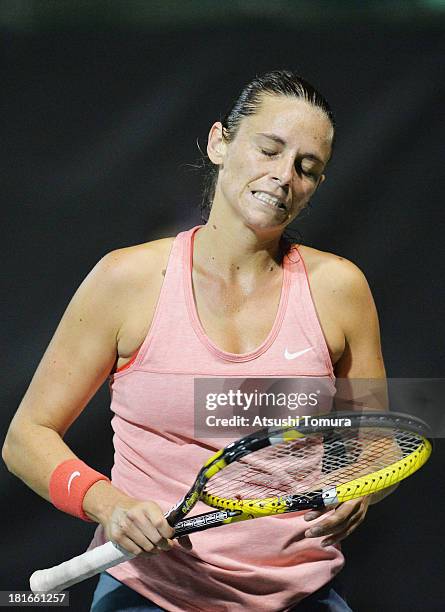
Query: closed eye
(309,173)
(268,153)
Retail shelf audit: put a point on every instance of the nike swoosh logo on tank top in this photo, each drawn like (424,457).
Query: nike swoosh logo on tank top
(289,355)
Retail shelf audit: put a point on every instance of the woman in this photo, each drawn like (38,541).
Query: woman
(225,299)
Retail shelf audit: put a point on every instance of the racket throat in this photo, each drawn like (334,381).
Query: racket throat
(324,498)
(329,496)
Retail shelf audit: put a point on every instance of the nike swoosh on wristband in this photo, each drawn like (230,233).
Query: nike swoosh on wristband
(72,477)
(297,354)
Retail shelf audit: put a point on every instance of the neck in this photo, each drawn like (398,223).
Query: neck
(234,251)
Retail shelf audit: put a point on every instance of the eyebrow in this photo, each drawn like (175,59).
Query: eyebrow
(282,142)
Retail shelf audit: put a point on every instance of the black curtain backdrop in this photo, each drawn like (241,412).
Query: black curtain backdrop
(98,135)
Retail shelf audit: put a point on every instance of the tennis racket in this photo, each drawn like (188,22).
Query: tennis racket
(327,461)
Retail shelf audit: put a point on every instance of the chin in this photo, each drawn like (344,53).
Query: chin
(260,220)
(265,225)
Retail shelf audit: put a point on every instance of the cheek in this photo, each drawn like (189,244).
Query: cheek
(242,168)
(301,197)
(304,189)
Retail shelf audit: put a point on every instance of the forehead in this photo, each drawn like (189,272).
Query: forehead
(294,120)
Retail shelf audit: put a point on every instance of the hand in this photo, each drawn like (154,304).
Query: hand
(139,527)
(345,519)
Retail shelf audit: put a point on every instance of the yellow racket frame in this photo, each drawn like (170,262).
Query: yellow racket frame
(365,485)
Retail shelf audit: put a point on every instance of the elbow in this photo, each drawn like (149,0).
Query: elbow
(6,453)
(11,449)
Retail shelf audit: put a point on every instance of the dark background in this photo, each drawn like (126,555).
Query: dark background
(101,107)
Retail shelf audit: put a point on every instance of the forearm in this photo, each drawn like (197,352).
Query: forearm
(32,452)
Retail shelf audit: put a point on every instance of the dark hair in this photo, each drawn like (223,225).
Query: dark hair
(277,82)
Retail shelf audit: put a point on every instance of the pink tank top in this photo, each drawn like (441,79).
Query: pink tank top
(264,564)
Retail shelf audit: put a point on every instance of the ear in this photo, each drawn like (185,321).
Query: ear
(321,179)
(216,146)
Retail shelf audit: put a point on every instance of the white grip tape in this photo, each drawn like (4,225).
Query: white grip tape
(78,568)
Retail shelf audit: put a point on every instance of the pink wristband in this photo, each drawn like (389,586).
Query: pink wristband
(69,484)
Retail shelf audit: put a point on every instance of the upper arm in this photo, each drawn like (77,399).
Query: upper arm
(362,361)
(82,351)
(358,319)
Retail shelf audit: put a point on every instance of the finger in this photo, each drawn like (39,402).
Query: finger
(337,538)
(333,541)
(129,545)
(152,535)
(123,542)
(349,508)
(313,514)
(126,529)
(335,523)
(150,523)
(158,520)
(145,525)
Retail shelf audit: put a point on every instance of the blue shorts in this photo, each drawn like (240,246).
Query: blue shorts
(114,596)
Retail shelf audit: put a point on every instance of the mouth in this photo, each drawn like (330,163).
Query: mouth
(270,200)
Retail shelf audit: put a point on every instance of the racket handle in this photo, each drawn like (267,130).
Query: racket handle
(208,520)
(78,568)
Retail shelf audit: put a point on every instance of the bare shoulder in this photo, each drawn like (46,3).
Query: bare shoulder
(347,312)
(333,274)
(123,288)
(133,267)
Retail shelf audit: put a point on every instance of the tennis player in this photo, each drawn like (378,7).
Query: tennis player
(229,298)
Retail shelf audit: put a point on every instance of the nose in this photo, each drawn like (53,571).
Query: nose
(283,173)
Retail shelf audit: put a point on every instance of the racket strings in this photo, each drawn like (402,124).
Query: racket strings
(311,463)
